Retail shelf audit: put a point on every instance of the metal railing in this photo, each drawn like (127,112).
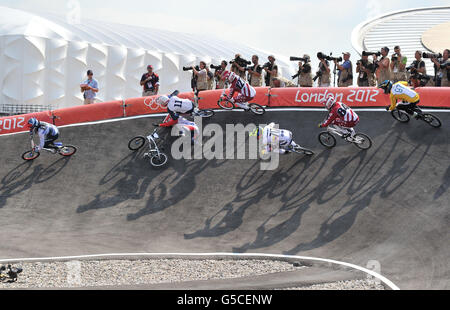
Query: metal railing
(17,109)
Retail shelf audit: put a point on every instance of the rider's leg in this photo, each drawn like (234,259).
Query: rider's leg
(242,101)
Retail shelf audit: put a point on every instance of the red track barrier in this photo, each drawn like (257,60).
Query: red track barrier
(436,97)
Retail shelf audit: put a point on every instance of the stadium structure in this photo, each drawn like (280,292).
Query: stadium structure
(423,29)
(45,56)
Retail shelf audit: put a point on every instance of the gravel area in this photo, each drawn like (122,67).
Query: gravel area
(135,272)
(344,285)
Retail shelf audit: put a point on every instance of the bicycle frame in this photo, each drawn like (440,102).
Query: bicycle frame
(152,139)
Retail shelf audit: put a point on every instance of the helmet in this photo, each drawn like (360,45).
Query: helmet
(230,76)
(387,86)
(162,100)
(329,102)
(33,122)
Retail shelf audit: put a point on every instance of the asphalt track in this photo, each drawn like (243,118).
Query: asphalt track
(389,204)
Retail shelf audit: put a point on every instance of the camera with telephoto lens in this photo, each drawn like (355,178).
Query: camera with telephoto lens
(318,75)
(394,57)
(190,68)
(241,62)
(216,67)
(321,55)
(431,55)
(423,79)
(299,59)
(364,53)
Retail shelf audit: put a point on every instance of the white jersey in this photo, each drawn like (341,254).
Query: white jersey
(276,140)
(179,105)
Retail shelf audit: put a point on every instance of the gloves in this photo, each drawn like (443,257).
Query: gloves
(388,108)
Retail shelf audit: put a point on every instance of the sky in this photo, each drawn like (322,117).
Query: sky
(284,27)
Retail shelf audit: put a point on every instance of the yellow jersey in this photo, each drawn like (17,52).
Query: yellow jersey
(401,91)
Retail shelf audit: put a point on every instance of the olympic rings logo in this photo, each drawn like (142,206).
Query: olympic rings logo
(151,103)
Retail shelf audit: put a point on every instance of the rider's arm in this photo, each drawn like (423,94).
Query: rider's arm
(393,102)
(331,117)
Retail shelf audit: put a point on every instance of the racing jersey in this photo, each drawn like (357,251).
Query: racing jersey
(46,131)
(400,91)
(178,106)
(276,140)
(242,87)
(341,113)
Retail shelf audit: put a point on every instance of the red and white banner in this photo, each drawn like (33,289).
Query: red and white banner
(435,97)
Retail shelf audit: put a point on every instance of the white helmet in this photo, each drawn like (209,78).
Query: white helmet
(229,75)
(329,102)
(162,100)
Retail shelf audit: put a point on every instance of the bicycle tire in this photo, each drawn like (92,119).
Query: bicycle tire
(69,153)
(33,156)
(431,120)
(366,139)
(257,109)
(159,160)
(205,113)
(400,116)
(302,151)
(136,143)
(327,140)
(225,104)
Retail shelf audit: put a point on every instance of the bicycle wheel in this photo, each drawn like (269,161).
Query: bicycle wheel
(136,143)
(362,141)
(225,104)
(68,150)
(257,109)
(205,113)
(431,120)
(327,140)
(400,116)
(30,155)
(301,150)
(159,160)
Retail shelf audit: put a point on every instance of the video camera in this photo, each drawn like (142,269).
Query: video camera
(364,53)
(299,59)
(431,55)
(321,55)
(241,62)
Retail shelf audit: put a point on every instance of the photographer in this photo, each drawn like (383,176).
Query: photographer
(304,73)
(418,65)
(210,78)
(365,70)
(398,65)
(442,67)
(219,70)
(238,66)
(150,82)
(271,70)
(383,71)
(324,71)
(345,71)
(202,76)
(255,73)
